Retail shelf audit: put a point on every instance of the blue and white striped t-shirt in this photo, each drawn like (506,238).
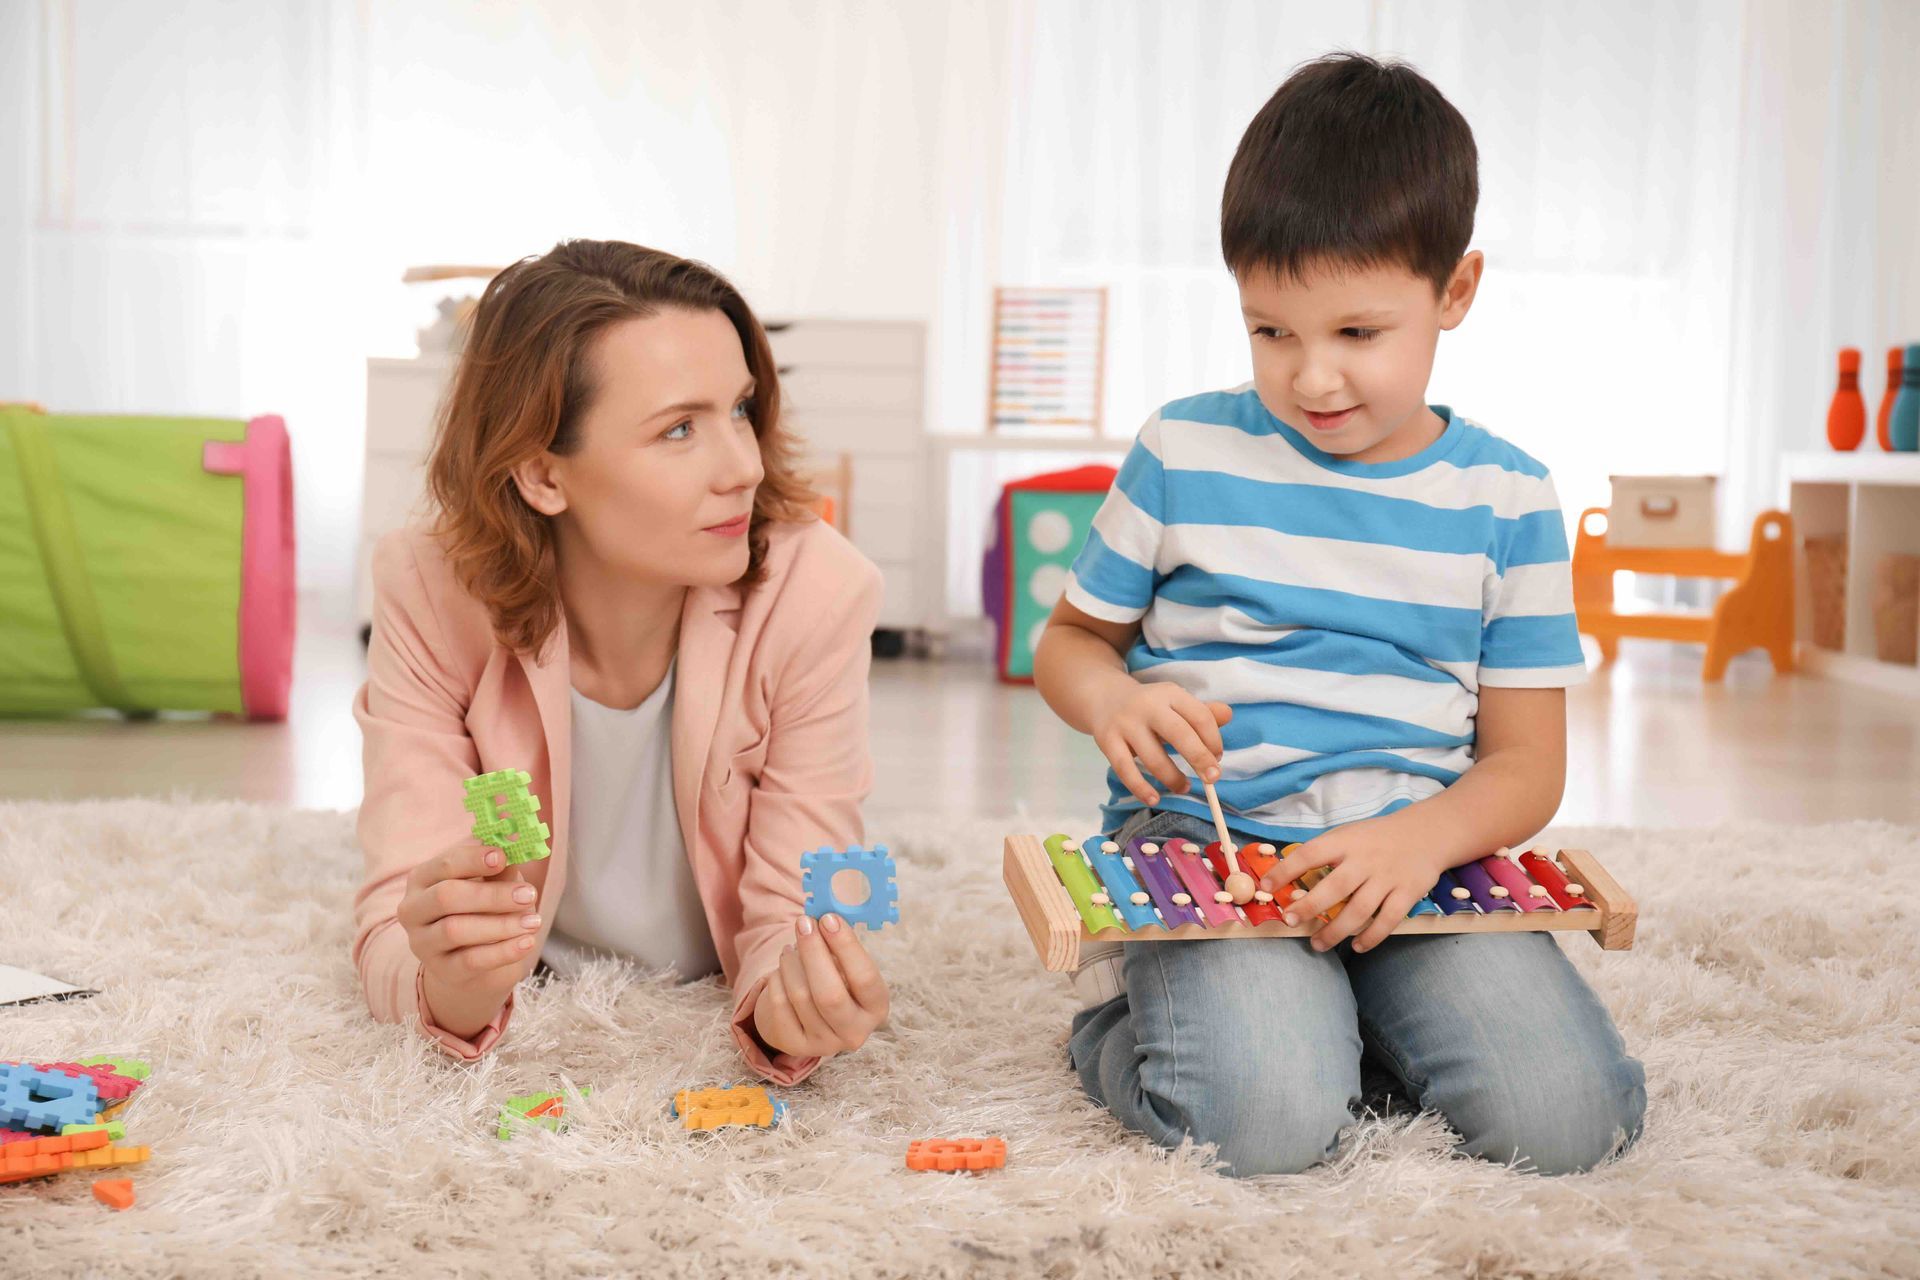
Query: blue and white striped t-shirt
(1349,612)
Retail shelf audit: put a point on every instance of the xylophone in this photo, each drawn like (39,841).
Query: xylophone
(1071,892)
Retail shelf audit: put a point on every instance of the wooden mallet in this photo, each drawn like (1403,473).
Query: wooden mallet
(1240,885)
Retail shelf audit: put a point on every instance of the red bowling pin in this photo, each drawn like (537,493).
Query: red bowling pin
(1847,415)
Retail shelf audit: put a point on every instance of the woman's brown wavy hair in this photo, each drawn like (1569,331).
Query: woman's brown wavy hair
(522,385)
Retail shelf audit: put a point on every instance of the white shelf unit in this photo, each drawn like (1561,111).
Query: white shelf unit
(1873,500)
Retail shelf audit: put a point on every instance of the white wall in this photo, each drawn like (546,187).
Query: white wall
(205,207)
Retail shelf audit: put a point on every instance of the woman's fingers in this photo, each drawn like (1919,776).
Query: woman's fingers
(468,860)
(813,1029)
(844,1019)
(506,894)
(773,1015)
(864,982)
(454,932)
(468,962)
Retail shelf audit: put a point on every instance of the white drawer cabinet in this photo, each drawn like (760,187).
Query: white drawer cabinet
(852,390)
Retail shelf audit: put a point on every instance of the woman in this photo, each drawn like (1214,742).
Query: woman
(625,593)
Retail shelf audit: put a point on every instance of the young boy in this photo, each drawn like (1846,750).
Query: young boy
(1353,611)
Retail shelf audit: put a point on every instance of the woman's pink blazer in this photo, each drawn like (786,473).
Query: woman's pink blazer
(769,739)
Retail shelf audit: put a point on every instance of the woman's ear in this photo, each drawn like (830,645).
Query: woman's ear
(538,480)
(1461,289)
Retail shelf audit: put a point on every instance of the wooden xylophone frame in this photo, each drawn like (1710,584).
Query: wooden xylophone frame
(1058,932)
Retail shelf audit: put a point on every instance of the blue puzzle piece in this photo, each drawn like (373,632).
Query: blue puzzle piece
(882,906)
(46,1101)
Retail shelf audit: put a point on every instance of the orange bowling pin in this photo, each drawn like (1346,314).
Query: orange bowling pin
(1882,430)
(1847,415)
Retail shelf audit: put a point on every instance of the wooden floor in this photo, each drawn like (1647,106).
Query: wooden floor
(1649,746)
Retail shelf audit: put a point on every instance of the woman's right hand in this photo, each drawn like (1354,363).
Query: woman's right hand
(1139,719)
(472,921)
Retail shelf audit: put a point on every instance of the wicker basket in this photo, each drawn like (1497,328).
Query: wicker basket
(1827,590)
(1896,608)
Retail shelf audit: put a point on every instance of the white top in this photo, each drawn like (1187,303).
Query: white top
(630,889)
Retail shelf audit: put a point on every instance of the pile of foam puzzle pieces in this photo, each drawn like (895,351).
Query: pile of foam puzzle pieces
(59,1116)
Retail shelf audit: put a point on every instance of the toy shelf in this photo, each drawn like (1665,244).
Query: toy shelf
(1757,612)
(1873,500)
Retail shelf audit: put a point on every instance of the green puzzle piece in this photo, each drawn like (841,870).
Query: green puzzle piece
(116,1131)
(527,1102)
(504,815)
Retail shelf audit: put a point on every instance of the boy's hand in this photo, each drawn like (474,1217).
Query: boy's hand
(1143,717)
(1372,869)
(826,997)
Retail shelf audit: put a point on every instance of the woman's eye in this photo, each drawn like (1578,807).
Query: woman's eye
(743,410)
(679,431)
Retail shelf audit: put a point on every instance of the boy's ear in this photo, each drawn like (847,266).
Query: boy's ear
(1461,288)
(539,484)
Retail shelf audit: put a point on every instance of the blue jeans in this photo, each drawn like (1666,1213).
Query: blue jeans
(1255,1045)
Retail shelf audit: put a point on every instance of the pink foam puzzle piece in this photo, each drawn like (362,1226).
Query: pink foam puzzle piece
(113,1086)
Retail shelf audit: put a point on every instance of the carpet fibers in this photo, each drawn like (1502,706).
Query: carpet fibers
(1771,996)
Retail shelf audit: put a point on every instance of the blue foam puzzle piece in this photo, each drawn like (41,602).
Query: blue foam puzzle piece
(882,906)
(46,1101)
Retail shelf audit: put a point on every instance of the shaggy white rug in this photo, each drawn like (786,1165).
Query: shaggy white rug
(1771,996)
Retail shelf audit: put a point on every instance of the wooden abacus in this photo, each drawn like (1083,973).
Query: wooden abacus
(1070,893)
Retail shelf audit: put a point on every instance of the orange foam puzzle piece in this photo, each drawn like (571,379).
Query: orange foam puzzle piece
(111,1157)
(44,1156)
(117,1192)
(946,1155)
(717,1108)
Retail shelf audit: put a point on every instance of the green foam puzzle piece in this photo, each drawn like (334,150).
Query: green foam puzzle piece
(527,1102)
(504,814)
(115,1130)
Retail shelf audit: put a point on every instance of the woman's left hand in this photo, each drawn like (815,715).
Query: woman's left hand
(826,997)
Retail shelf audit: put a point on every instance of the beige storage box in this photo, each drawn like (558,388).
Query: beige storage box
(1661,511)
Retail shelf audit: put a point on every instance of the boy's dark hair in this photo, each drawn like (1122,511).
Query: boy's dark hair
(1352,161)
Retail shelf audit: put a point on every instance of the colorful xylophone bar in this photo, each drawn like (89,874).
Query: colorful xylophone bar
(1070,892)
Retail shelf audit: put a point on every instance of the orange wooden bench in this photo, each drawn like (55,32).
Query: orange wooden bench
(1757,613)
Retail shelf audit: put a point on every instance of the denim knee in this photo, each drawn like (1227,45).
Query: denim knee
(1555,1126)
(1262,1130)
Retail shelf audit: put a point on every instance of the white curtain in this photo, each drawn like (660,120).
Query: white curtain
(1686,210)
(176,181)
(1686,207)
(205,207)
(1825,236)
